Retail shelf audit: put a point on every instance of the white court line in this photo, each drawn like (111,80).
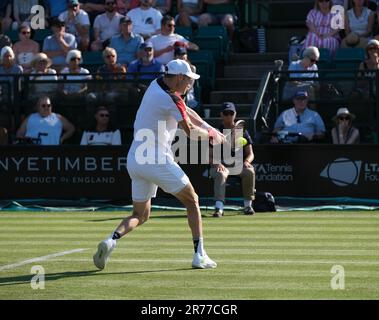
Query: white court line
(38,259)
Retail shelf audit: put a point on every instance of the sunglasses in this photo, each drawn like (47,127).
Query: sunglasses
(110,56)
(110,3)
(373,48)
(301,98)
(343,118)
(228,113)
(321,1)
(46,105)
(171,25)
(74,59)
(103,115)
(25,32)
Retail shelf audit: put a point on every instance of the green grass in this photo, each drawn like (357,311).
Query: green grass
(267,256)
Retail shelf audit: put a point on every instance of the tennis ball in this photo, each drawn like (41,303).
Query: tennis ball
(241,142)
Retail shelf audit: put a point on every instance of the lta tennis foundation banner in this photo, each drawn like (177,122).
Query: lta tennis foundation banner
(73,172)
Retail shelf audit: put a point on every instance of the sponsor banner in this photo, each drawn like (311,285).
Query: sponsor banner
(74,172)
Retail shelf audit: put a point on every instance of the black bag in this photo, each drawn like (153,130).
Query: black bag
(264,202)
(247,40)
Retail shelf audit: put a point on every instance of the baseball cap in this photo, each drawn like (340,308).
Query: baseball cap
(125,19)
(146,44)
(181,67)
(299,94)
(73,2)
(228,106)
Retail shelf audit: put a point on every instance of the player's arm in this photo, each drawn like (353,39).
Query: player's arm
(196,132)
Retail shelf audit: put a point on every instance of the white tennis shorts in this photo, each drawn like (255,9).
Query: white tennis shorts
(147,178)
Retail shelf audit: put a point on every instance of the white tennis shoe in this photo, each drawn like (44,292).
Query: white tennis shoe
(203,262)
(104,249)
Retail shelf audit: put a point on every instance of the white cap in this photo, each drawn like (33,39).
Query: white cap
(179,66)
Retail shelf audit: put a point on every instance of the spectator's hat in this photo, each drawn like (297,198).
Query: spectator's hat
(180,51)
(373,43)
(228,106)
(352,39)
(180,67)
(125,19)
(73,3)
(146,44)
(55,22)
(41,57)
(343,112)
(300,94)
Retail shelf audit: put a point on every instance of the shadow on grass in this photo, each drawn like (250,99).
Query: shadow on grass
(25,279)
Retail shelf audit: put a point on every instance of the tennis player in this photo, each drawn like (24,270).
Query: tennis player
(159,114)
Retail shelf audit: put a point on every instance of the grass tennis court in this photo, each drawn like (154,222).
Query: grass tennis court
(267,256)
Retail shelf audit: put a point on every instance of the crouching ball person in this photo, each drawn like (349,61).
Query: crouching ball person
(162,104)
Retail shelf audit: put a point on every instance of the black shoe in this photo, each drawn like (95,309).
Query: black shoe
(248,211)
(218,213)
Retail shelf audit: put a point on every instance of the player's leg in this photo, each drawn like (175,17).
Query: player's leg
(190,200)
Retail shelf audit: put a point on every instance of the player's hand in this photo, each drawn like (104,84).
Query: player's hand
(216,137)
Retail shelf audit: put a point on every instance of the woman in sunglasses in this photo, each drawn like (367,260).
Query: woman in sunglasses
(25,49)
(75,72)
(344,132)
(102,132)
(320,31)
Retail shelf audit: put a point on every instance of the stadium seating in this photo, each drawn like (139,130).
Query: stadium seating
(204,62)
(92,60)
(41,34)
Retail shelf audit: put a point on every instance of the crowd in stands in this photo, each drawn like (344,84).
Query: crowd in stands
(134,36)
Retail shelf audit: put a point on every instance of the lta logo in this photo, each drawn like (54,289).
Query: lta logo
(343,172)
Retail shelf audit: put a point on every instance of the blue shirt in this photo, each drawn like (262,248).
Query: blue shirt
(308,123)
(126,49)
(137,66)
(51,44)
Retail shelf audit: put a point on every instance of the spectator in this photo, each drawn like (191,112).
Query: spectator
(164,6)
(48,127)
(308,63)
(220,172)
(77,23)
(102,133)
(189,12)
(225,19)
(106,25)
(41,71)
(127,43)
(109,91)
(344,132)
(359,24)
(190,98)
(93,8)
(58,44)
(300,120)
(146,19)
(3,136)
(371,63)
(21,12)
(8,68)
(5,41)
(55,8)
(145,63)
(25,49)
(5,15)
(164,43)
(320,31)
(74,90)
(123,6)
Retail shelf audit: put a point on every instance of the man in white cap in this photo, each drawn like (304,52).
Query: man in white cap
(158,116)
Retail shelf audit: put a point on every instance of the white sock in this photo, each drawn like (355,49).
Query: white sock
(247,203)
(219,205)
(200,247)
